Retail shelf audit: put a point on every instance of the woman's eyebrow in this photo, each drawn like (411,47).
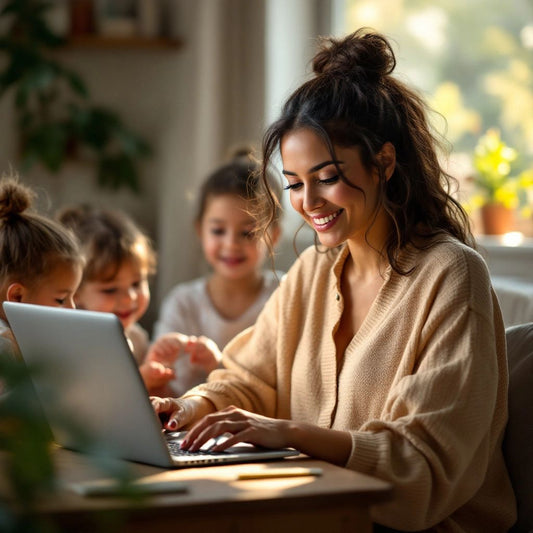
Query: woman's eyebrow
(315,168)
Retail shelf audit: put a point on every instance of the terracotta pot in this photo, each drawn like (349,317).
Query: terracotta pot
(497,219)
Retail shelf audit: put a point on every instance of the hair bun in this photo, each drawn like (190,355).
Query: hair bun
(361,55)
(240,152)
(15,198)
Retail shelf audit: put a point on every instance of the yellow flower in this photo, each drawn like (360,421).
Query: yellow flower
(492,164)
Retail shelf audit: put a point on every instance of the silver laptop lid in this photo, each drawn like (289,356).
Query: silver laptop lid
(83,371)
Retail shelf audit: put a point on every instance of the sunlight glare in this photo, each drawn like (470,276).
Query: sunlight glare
(526,35)
(513,238)
(429,27)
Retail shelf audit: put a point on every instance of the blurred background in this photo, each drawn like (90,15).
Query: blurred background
(131,103)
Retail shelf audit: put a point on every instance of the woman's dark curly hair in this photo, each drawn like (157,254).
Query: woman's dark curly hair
(353,100)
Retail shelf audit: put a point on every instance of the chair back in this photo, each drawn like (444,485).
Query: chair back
(518,440)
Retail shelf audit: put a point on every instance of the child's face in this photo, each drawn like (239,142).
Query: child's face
(127,294)
(226,233)
(57,288)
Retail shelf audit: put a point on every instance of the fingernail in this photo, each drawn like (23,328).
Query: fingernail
(172,424)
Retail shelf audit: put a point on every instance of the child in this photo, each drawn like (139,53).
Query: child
(120,258)
(214,309)
(40,261)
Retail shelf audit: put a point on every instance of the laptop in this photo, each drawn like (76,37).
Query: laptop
(92,393)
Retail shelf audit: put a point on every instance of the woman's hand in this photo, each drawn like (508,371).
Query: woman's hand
(243,427)
(178,413)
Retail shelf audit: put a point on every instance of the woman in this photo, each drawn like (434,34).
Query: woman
(383,350)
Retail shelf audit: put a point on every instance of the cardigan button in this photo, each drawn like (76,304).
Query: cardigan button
(337,297)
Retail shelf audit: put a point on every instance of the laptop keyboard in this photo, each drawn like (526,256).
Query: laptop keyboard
(175,449)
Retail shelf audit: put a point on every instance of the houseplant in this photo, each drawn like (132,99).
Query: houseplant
(500,192)
(55,118)
(27,469)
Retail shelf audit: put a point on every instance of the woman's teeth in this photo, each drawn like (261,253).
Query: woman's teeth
(325,220)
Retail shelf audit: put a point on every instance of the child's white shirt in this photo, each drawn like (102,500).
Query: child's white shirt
(139,341)
(188,309)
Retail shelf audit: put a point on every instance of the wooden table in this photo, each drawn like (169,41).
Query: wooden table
(215,500)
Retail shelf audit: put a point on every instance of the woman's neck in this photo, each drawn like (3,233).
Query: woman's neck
(367,250)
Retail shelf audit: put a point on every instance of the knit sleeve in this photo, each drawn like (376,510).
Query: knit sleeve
(442,423)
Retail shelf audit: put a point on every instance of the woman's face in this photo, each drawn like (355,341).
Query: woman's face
(334,209)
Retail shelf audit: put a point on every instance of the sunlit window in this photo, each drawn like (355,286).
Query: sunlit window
(473,61)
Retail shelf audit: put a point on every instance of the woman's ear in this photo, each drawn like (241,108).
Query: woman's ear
(387,159)
(15,292)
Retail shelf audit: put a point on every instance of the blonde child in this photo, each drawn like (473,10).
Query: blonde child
(40,261)
(210,311)
(119,260)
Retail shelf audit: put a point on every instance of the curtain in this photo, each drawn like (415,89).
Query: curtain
(222,106)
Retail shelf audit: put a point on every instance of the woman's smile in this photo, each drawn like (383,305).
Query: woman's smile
(324,222)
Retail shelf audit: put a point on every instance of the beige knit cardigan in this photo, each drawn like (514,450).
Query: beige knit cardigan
(422,386)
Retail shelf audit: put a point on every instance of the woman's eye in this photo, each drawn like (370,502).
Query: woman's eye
(292,186)
(329,181)
(60,301)
(217,231)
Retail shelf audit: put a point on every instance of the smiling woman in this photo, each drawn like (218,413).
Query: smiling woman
(383,349)
(333,193)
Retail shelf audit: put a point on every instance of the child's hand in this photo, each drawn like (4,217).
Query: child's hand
(165,350)
(155,375)
(204,352)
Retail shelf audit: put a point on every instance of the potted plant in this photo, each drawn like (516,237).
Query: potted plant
(56,120)
(27,466)
(499,192)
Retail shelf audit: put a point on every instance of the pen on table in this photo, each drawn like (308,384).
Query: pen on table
(270,473)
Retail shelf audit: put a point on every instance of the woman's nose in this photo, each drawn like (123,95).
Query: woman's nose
(311,199)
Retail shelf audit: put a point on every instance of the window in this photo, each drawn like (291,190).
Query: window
(473,61)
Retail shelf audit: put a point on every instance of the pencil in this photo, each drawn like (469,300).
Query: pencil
(279,473)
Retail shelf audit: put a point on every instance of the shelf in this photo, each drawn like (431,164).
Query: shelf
(103,42)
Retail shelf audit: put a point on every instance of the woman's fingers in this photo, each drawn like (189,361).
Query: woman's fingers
(216,430)
(173,412)
(243,427)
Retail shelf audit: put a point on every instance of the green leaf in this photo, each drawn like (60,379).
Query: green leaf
(116,171)
(77,84)
(48,144)
(131,143)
